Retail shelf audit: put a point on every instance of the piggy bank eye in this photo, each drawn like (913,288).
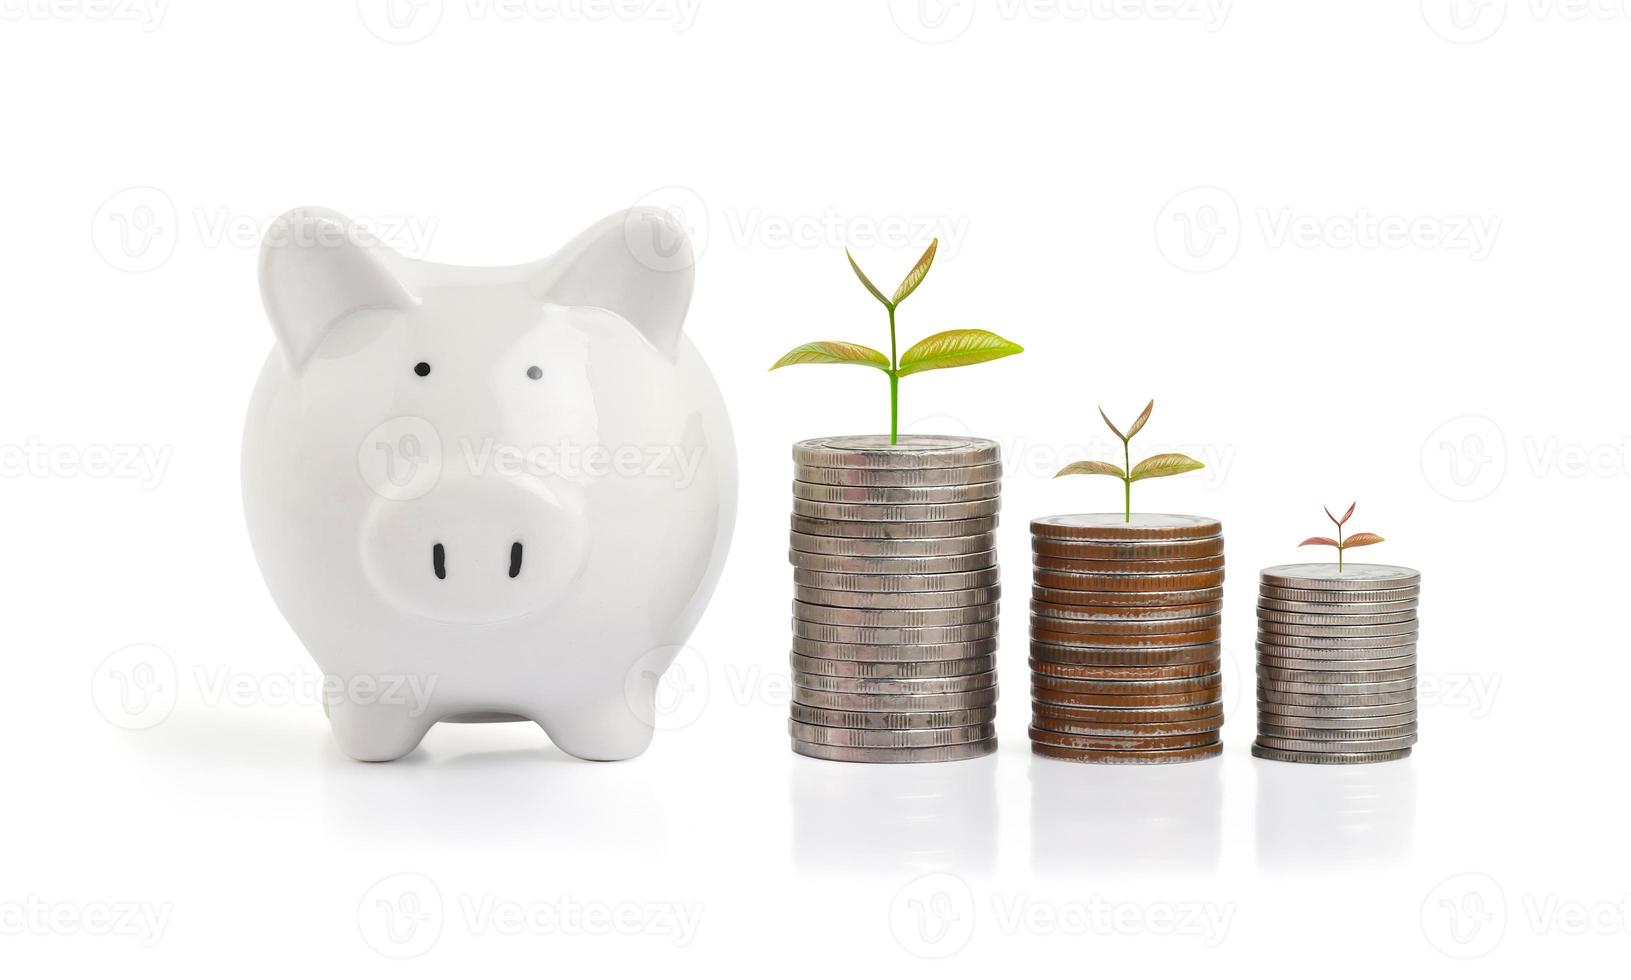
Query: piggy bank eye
(535,372)
(421,369)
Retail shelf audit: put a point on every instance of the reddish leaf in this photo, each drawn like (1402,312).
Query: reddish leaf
(1138,423)
(1332,516)
(1361,539)
(1325,541)
(1111,424)
(1350,512)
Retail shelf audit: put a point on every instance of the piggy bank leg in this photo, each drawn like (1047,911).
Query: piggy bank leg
(377,732)
(600,730)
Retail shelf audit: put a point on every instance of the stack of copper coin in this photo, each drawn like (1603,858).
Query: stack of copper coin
(1126,625)
(1336,663)
(896,589)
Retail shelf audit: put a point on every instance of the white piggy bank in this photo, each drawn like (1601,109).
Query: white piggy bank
(487,494)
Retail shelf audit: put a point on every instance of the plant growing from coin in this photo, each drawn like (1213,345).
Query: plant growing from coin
(1341,543)
(1161,464)
(948,349)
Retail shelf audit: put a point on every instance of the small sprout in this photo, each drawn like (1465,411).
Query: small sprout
(1162,464)
(1341,543)
(948,349)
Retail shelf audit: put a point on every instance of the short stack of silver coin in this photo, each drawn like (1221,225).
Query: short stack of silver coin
(1336,663)
(895,598)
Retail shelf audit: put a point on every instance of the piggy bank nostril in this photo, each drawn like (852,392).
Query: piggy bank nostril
(438,560)
(515,559)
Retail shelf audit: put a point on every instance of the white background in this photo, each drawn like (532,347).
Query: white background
(1461,378)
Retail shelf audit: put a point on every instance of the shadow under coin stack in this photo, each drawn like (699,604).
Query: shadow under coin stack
(1126,621)
(895,598)
(1336,663)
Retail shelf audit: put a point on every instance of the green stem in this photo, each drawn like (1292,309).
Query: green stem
(894,383)
(1127,480)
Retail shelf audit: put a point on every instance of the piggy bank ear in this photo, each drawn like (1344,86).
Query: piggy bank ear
(637,264)
(316,269)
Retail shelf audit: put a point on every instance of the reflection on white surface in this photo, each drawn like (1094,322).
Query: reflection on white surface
(1334,818)
(1093,818)
(887,820)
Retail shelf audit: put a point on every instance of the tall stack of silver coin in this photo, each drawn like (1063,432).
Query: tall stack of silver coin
(1336,663)
(895,598)
(1126,626)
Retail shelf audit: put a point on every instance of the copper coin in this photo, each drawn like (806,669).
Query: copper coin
(1138,743)
(1128,758)
(1128,567)
(1121,641)
(1117,527)
(1123,688)
(1090,714)
(1080,597)
(1099,657)
(1138,627)
(1053,696)
(1125,614)
(1127,550)
(1088,582)
(1200,668)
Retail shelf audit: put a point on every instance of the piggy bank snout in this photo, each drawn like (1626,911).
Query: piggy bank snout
(474,550)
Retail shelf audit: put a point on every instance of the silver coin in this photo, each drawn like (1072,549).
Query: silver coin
(896,685)
(894,530)
(1339,666)
(896,720)
(1390,641)
(840,616)
(938,476)
(983,578)
(972,544)
(897,600)
(844,701)
(1304,619)
(1332,701)
(1142,600)
(1343,598)
(909,669)
(1308,714)
(1125,614)
(1329,758)
(896,495)
(1119,527)
(881,738)
(1268,687)
(848,565)
(908,451)
(1337,610)
(1406,627)
(1349,722)
(1336,653)
(875,653)
(895,635)
(1320,681)
(873,513)
(1337,734)
(1356,745)
(1325,577)
(938,753)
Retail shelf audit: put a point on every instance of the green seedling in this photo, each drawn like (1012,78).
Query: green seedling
(1341,543)
(1162,464)
(948,349)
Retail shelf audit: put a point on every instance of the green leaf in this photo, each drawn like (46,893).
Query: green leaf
(1142,418)
(1165,464)
(955,348)
(833,352)
(1111,424)
(1091,466)
(865,281)
(916,275)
